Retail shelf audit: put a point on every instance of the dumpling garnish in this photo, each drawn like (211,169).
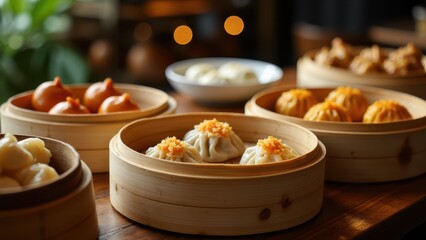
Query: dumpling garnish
(215,140)
(327,111)
(267,150)
(351,99)
(176,150)
(383,111)
(295,102)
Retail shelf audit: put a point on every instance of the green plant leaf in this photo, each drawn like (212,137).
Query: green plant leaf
(17,6)
(69,65)
(42,10)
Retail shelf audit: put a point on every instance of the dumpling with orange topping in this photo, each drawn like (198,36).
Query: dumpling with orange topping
(267,150)
(295,102)
(176,150)
(328,111)
(215,140)
(352,99)
(383,111)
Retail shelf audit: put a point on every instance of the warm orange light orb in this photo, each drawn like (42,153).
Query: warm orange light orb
(234,25)
(182,35)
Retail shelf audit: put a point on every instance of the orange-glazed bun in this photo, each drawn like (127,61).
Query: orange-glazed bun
(352,99)
(383,111)
(327,111)
(70,106)
(97,93)
(48,94)
(295,102)
(118,104)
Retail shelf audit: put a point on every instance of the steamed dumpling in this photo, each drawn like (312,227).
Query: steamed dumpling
(215,140)
(327,111)
(37,148)
(295,102)
(237,73)
(12,155)
(383,111)
(351,99)
(176,150)
(35,174)
(8,182)
(267,150)
(196,71)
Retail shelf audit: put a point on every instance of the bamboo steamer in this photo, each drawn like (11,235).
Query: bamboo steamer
(221,198)
(60,209)
(357,152)
(314,75)
(88,133)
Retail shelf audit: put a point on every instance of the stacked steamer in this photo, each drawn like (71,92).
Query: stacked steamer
(399,69)
(371,134)
(216,173)
(43,180)
(85,129)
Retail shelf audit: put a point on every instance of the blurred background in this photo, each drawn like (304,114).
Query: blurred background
(134,40)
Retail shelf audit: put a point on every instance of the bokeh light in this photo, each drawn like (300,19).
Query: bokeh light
(234,25)
(182,35)
(142,32)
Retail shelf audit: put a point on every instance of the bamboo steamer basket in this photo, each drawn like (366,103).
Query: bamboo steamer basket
(358,152)
(221,198)
(88,133)
(313,75)
(63,208)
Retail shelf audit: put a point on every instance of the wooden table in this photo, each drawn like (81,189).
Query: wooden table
(361,211)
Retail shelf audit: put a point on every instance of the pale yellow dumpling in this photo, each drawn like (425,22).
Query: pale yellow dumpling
(37,148)
(383,111)
(295,102)
(35,174)
(351,99)
(12,155)
(327,111)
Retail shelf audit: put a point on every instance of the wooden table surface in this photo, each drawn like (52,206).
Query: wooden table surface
(361,211)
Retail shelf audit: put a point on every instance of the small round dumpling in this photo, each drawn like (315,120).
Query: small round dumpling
(35,174)
(327,111)
(215,141)
(37,148)
(237,73)
(121,103)
(267,150)
(12,155)
(69,106)
(196,71)
(383,111)
(295,102)
(176,150)
(8,182)
(352,99)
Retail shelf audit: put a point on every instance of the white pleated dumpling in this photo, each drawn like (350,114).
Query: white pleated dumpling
(267,150)
(237,73)
(12,155)
(215,141)
(36,173)
(37,148)
(174,149)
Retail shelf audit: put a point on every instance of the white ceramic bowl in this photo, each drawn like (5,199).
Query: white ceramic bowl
(268,74)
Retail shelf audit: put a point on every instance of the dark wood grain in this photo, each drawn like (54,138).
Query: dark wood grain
(350,211)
